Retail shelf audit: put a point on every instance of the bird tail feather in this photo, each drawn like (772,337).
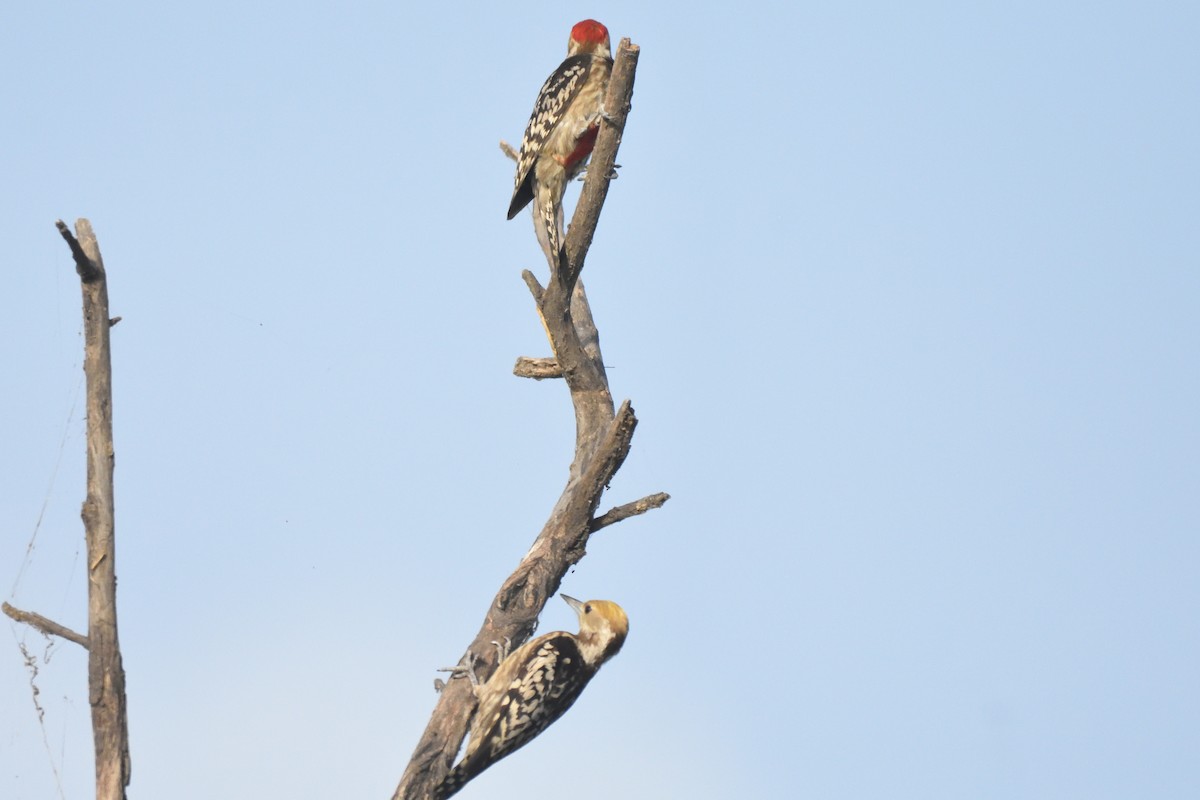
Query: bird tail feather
(548,225)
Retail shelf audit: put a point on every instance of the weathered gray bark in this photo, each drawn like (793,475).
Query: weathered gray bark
(106,676)
(45,625)
(602,439)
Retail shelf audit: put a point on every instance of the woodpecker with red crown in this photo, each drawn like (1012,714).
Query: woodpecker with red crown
(562,132)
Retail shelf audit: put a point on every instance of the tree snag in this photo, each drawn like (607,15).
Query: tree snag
(106,675)
(602,439)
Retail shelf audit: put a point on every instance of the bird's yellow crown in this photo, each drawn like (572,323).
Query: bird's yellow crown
(603,627)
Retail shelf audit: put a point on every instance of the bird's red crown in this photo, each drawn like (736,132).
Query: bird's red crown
(589,32)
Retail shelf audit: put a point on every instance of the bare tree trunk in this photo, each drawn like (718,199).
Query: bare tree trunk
(106,676)
(602,439)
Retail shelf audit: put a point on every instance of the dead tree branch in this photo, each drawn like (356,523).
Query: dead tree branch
(602,439)
(87,270)
(106,675)
(45,625)
(537,368)
(614,515)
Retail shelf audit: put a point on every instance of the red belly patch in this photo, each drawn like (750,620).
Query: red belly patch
(583,147)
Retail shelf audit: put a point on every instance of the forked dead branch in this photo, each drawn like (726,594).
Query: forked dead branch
(106,675)
(602,439)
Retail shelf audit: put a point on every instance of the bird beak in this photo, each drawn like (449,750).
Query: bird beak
(573,603)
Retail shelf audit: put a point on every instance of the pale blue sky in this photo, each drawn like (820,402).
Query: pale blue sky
(905,297)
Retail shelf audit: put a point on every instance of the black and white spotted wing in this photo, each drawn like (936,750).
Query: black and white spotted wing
(545,688)
(555,97)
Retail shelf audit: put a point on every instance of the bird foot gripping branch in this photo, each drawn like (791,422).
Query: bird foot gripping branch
(612,173)
(460,670)
(535,685)
(562,132)
(467,670)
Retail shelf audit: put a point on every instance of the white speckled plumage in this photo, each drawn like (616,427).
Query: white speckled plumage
(536,685)
(561,132)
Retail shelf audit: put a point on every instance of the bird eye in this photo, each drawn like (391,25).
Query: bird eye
(587,609)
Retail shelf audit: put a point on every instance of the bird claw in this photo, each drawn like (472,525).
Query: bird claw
(461,670)
(468,670)
(612,173)
(502,650)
